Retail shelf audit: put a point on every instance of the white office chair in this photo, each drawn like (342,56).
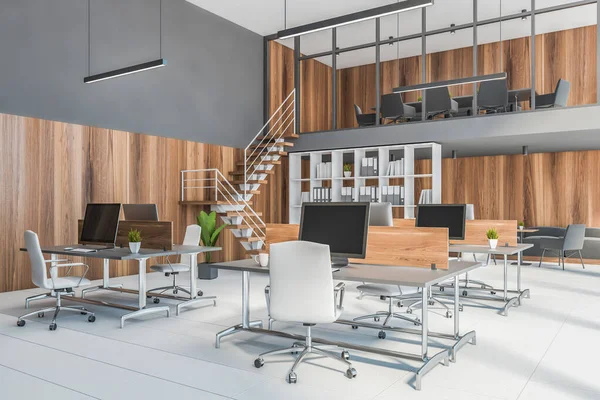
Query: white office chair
(57,285)
(191,238)
(295,269)
(380,214)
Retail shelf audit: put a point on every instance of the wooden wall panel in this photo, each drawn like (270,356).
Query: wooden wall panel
(553,189)
(51,170)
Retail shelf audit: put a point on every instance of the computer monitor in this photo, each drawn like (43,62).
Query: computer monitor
(100,223)
(140,212)
(381,214)
(451,216)
(342,226)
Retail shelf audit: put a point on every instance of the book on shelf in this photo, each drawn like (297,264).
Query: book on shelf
(426,196)
(396,168)
(348,194)
(392,194)
(324,170)
(322,195)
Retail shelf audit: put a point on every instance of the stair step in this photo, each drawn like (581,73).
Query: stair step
(237,214)
(272,144)
(212,203)
(278,162)
(271,153)
(251,239)
(250,182)
(243,226)
(241,173)
(270,137)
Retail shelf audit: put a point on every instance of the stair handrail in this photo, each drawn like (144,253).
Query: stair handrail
(265,135)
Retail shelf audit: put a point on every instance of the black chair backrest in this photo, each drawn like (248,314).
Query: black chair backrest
(493,94)
(561,93)
(391,105)
(357,110)
(438,100)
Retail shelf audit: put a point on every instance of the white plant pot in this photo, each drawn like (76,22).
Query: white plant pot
(347,174)
(135,247)
(493,243)
(521,228)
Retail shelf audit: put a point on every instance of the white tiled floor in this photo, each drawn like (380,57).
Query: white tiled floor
(546,349)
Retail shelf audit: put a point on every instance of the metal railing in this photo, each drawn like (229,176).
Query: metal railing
(218,189)
(272,131)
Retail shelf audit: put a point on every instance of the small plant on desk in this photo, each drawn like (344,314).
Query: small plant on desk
(521,225)
(347,170)
(135,240)
(492,235)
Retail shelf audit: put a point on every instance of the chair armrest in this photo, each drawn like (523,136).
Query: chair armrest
(339,291)
(70,265)
(51,261)
(545,100)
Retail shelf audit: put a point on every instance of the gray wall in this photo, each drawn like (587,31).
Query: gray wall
(211,91)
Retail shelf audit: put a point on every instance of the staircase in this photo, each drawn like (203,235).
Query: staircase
(231,197)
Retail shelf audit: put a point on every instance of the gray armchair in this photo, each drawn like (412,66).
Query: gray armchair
(364,119)
(393,108)
(493,96)
(557,99)
(438,101)
(571,242)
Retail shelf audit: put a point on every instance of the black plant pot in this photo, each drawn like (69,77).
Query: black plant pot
(206,272)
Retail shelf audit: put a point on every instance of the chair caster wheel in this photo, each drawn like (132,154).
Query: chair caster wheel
(345,355)
(464,293)
(40,315)
(431,303)
(21,322)
(376,319)
(92,318)
(409,311)
(381,335)
(83,313)
(351,373)
(175,291)
(354,326)
(399,304)
(259,362)
(156,300)
(149,296)
(52,327)
(460,308)
(448,314)
(292,378)
(200,293)
(442,288)
(492,292)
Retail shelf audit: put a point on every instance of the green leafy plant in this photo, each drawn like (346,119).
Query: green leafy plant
(420,98)
(209,232)
(134,236)
(347,167)
(521,223)
(492,233)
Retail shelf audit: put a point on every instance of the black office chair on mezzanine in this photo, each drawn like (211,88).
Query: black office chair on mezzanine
(438,101)
(364,119)
(493,96)
(392,108)
(557,99)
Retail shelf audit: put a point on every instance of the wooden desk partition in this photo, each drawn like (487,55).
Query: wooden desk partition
(155,234)
(394,246)
(476,230)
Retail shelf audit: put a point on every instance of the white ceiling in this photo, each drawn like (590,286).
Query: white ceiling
(266,17)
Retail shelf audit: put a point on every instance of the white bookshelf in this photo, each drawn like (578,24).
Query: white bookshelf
(336,180)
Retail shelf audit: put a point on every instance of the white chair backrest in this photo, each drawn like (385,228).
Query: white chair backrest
(380,214)
(39,276)
(301,283)
(191,238)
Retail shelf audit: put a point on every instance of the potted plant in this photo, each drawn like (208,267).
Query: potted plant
(521,225)
(208,236)
(492,235)
(347,170)
(135,240)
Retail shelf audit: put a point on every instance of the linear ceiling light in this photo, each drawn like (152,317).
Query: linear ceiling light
(125,71)
(451,82)
(354,17)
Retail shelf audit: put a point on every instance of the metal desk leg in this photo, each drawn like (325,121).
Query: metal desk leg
(429,363)
(466,338)
(105,281)
(509,302)
(142,297)
(246,323)
(194,298)
(522,293)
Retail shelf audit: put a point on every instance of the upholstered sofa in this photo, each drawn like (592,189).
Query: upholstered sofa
(591,245)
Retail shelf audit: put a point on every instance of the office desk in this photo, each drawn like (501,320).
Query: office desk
(406,276)
(123,254)
(504,251)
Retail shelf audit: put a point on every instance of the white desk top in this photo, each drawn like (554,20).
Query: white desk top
(482,249)
(404,276)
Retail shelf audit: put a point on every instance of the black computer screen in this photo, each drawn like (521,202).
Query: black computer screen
(451,216)
(342,226)
(100,223)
